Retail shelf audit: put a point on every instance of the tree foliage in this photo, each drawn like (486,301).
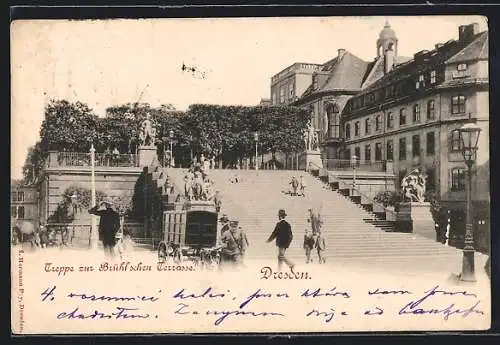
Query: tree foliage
(63,212)
(226,132)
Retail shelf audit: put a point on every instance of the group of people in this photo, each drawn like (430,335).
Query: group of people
(38,237)
(298,186)
(314,239)
(234,242)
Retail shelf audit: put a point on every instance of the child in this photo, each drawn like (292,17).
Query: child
(308,245)
(320,247)
(302,186)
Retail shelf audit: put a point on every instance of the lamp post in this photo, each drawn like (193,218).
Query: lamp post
(171,137)
(470,135)
(353,164)
(256,139)
(93,230)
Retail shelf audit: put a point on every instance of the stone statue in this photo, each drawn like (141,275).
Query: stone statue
(147,135)
(413,186)
(311,135)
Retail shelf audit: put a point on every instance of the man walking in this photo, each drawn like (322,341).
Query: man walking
(283,235)
(109,225)
(235,244)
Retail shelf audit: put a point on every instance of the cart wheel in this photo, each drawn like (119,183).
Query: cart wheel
(176,254)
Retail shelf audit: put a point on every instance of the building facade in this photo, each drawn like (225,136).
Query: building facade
(24,202)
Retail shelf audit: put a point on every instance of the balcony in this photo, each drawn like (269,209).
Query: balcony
(361,165)
(82,159)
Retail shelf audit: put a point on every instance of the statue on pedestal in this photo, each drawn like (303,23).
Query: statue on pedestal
(311,138)
(147,134)
(413,186)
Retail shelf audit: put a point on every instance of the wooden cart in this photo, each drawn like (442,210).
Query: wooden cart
(190,234)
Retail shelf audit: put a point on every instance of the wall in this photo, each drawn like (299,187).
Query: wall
(119,182)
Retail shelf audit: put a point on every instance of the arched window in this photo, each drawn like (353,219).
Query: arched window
(368,126)
(348,131)
(332,112)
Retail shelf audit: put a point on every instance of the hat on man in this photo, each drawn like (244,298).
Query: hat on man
(281,213)
(234,223)
(224,218)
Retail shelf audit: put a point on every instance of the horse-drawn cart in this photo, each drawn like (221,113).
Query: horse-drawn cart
(190,234)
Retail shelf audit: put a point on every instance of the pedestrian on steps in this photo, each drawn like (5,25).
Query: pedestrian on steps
(320,247)
(309,243)
(283,235)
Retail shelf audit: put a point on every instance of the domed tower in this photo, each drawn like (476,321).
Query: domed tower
(386,40)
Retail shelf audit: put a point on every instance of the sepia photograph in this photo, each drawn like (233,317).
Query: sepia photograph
(250,175)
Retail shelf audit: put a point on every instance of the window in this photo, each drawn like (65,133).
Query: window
(282,94)
(14,196)
(390,150)
(20,212)
(357,152)
(420,82)
(415,140)
(378,122)
(13,212)
(416,113)
(461,70)
(368,126)
(378,152)
(457,179)
(332,113)
(431,110)
(291,91)
(347,153)
(458,104)
(20,196)
(390,120)
(347,131)
(356,128)
(430,143)
(402,149)
(402,116)
(433,77)
(456,141)
(368,153)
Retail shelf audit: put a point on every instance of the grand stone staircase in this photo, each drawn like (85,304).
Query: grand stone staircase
(255,201)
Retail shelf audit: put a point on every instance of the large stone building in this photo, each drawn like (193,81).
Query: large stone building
(24,202)
(404,110)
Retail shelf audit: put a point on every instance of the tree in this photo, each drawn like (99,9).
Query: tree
(33,164)
(63,213)
(68,126)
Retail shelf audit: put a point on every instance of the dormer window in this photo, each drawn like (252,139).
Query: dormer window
(461,71)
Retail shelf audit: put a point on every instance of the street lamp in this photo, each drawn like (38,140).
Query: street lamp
(256,139)
(171,136)
(470,135)
(353,165)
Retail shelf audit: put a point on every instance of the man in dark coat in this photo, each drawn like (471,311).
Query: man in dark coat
(109,224)
(283,235)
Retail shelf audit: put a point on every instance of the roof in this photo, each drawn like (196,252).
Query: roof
(344,73)
(476,50)
(448,53)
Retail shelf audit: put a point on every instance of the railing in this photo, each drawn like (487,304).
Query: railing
(350,186)
(81,159)
(361,165)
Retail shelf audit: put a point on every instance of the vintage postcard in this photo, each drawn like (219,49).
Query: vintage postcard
(250,175)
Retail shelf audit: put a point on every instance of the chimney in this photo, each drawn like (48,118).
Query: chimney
(388,59)
(341,53)
(467,32)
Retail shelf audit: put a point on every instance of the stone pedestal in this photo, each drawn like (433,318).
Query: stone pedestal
(416,217)
(310,159)
(146,155)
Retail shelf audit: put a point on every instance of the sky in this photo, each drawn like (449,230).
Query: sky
(110,62)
